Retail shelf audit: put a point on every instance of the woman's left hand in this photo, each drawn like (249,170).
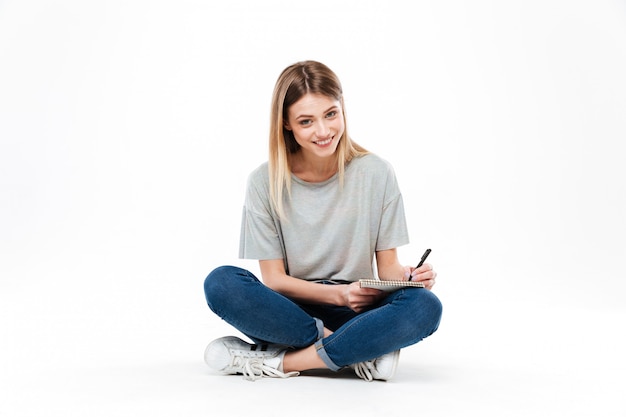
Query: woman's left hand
(424,274)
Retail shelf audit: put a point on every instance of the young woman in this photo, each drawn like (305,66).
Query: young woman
(315,216)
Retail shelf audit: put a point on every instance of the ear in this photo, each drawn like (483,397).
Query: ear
(286,125)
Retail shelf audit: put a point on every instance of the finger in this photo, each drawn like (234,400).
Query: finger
(423,268)
(425,276)
(407,272)
(369,292)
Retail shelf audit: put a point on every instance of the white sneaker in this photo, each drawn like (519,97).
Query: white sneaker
(382,368)
(231,355)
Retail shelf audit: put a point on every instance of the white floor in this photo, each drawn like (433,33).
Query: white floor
(128,129)
(122,346)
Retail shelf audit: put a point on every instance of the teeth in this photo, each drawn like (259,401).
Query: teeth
(325,142)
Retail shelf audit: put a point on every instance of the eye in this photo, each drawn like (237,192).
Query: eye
(305,122)
(331,114)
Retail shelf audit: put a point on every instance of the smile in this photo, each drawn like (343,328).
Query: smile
(324,142)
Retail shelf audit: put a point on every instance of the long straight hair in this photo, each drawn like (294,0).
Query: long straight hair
(294,82)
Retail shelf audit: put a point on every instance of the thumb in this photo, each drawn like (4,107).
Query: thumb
(407,272)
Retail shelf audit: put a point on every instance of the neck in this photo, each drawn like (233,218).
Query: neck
(313,169)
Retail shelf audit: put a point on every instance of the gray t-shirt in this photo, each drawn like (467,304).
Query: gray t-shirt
(330,232)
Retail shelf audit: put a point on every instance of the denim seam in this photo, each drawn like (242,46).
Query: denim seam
(320,328)
(321,352)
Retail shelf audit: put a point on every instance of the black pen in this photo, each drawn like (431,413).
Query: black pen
(424,256)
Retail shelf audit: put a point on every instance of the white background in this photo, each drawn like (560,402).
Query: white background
(127,131)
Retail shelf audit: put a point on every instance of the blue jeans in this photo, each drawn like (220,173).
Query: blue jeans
(401,319)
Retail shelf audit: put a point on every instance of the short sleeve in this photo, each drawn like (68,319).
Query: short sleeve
(259,237)
(393,230)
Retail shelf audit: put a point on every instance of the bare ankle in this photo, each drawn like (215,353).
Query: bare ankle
(302,360)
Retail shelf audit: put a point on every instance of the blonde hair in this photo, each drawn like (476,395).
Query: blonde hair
(294,82)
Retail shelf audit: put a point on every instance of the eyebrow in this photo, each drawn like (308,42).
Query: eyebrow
(325,111)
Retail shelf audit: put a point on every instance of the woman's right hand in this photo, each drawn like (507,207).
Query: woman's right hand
(360,299)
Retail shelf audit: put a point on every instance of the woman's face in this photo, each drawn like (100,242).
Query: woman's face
(317,124)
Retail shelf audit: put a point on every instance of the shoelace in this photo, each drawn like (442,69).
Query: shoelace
(254,368)
(363,370)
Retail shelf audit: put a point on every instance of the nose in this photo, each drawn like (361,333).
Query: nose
(323,130)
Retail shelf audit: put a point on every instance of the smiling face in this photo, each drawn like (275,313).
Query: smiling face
(317,124)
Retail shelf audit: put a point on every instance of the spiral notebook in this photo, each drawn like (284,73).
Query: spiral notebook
(388,286)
